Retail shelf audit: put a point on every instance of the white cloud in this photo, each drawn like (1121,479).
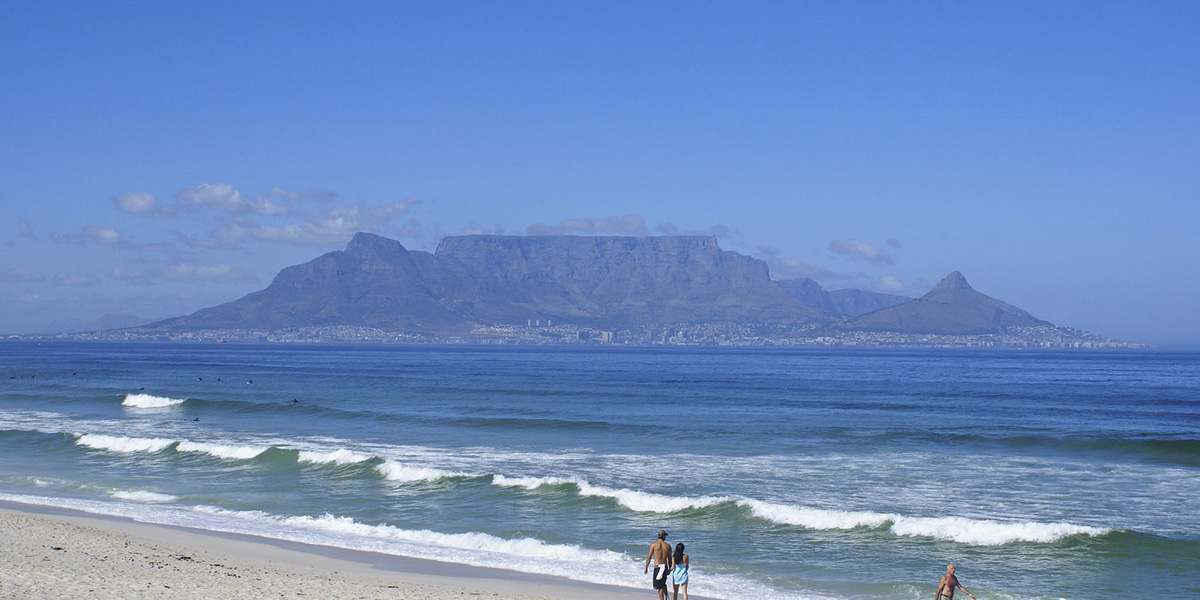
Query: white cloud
(334,227)
(21,276)
(626,225)
(138,203)
(297,197)
(861,250)
(793,268)
(895,243)
(224,197)
(106,236)
(890,285)
(717,231)
(475,229)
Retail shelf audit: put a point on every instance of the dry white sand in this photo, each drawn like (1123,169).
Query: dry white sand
(62,555)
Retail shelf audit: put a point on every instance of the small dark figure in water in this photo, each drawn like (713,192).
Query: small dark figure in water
(196,419)
(249,381)
(141,389)
(199,379)
(295,401)
(218,379)
(74,373)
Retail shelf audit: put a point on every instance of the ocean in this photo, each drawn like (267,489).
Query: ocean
(788,474)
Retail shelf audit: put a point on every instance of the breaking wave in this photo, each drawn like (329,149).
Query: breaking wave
(634,500)
(976,532)
(116,443)
(143,496)
(341,456)
(228,451)
(148,401)
(394,471)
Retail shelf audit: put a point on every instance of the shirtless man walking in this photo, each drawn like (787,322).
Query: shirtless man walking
(660,551)
(948,584)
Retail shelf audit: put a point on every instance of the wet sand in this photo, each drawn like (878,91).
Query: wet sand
(57,554)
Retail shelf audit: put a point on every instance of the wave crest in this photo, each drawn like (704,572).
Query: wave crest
(341,456)
(143,496)
(222,450)
(148,401)
(394,471)
(117,443)
(975,532)
(634,500)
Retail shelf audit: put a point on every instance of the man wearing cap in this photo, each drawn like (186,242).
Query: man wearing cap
(660,551)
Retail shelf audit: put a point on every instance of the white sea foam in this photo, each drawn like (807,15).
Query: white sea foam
(229,451)
(649,502)
(524,547)
(988,532)
(143,496)
(148,401)
(530,483)
(117,443)
(976,532)
(814,518)
(394,471)
(341,456)
(632,499)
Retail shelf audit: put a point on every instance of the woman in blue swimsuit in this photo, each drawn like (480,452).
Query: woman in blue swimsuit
(679,577)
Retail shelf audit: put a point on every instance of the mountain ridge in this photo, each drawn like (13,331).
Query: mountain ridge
(486,280)
(638,290)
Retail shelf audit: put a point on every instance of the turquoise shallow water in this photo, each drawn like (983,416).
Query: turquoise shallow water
(788,474)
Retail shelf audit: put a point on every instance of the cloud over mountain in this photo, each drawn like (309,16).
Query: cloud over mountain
(625,225)
(862,251)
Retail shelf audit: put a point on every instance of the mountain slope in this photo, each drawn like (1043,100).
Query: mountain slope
(847,303)
(953,307)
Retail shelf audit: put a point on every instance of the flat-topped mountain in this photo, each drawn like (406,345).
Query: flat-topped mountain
(490,280)
(951,308)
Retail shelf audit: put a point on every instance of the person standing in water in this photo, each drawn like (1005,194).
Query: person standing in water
(948,584)
(679,576)
(660,551)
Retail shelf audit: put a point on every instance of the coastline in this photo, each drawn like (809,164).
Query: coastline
(52,553)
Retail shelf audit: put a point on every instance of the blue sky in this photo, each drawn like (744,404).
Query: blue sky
(160,157)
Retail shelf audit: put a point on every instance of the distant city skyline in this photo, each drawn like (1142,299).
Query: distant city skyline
(162,158)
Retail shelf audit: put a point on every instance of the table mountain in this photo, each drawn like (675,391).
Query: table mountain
(491,280)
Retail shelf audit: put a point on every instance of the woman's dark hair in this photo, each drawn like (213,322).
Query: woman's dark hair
(678,552)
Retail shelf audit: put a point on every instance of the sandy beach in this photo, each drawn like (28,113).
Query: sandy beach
(62,554)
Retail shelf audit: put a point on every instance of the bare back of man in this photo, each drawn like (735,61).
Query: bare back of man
(660,553)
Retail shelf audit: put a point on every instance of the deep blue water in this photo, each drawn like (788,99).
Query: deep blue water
(788,473)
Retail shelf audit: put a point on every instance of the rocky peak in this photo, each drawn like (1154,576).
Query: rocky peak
(369,245)
(953,281)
